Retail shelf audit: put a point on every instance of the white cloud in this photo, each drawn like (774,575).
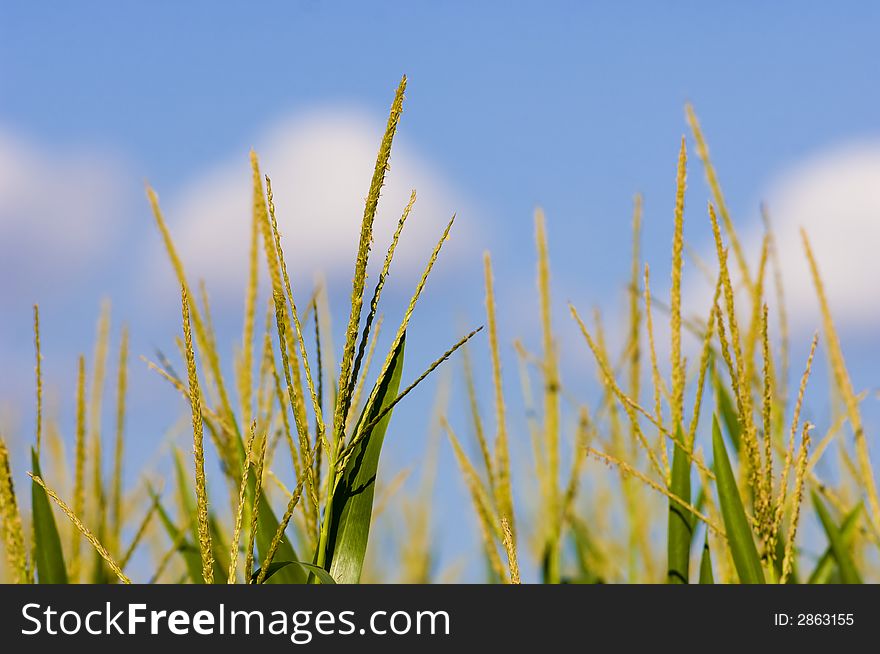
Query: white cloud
(835,197)
(56,212)
(320,165)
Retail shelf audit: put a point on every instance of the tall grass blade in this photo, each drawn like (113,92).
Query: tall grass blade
(352,506)
(739,533)
(825,565)
(848,572)
(188,551)
(681,524)
(706,576)
(50,565)
(727,411)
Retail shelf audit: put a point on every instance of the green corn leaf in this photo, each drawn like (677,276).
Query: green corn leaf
(825,565)
(277,566)
(220,549)
(267,525)
(739,533)
(706,576)
(353,501)
(185,494)
(681,525)
(793,577)
(700,502)
(848,572)
(188,506)
(728,413)
(101,574)
(585,551)
(191,555)
(48,553)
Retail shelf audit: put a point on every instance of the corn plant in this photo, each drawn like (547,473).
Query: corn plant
(334,442)
(744,500)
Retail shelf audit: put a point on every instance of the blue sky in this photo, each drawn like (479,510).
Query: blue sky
(571,106)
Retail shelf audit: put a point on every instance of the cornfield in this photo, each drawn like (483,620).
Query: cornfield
(701,475)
